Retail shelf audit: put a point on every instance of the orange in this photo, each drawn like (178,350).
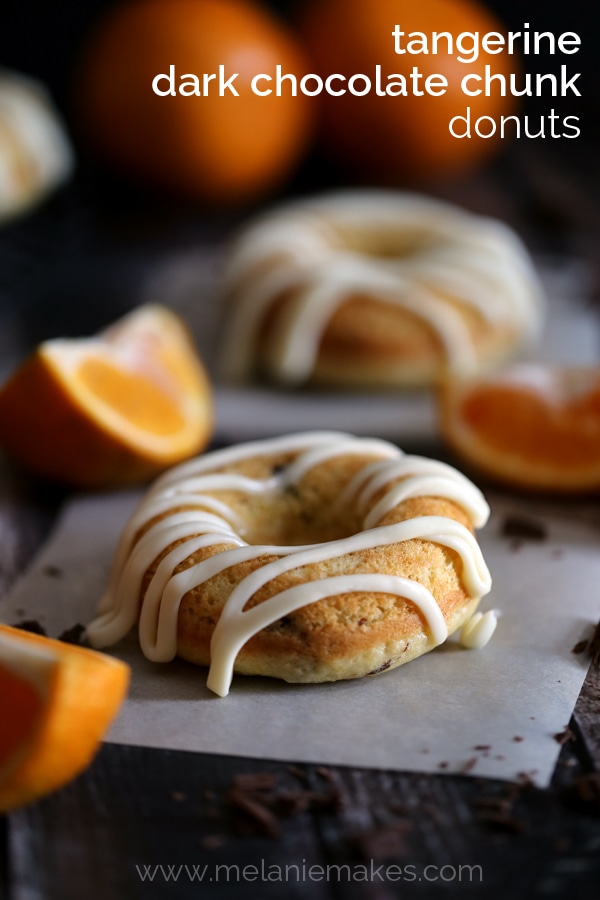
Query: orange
(531,426)
(58,701)
(112,409)
(402,138)
(215,148)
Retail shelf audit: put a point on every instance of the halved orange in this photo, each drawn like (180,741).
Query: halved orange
(531,426)
(112,409)
(57,703)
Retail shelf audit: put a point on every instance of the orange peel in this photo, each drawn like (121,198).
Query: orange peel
(530,426)
(109,410)
(58,701)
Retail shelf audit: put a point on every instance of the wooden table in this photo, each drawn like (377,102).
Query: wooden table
(136,810)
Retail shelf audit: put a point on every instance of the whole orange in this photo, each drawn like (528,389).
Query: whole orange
(215,146)
(402,137)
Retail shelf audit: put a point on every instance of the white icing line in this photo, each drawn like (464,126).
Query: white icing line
(477,631)
(226,644)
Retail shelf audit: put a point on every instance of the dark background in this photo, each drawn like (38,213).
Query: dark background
(94,241)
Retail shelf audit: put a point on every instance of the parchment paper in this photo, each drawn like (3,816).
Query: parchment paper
(493,712)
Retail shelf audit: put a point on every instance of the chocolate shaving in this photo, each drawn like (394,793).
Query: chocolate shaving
(297,772)
(384,842)
(32,626)
(254,781)
(260,816)
(213,841)
(562,737)
(503,822)
(580,647)
(469,765)
(594,648)
(584,793)
(74,635)
(524,529)
(382,667)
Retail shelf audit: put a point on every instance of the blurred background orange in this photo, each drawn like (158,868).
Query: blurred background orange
(227,145)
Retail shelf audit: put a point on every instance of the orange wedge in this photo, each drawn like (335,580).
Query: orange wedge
(109,410)
(529,426)
(57,703)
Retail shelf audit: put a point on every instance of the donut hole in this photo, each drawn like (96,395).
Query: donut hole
(387,243)
(310,510)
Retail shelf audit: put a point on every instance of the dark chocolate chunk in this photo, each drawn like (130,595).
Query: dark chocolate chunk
(73,635)
(31,625)
(524,529)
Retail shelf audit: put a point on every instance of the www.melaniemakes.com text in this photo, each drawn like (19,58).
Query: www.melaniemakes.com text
(466,47)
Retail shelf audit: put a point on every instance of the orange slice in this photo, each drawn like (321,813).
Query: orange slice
(529,426)
(112,409)
(57,703)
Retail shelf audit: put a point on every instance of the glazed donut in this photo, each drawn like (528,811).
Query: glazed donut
(35,154)
(312,557)
(375,289)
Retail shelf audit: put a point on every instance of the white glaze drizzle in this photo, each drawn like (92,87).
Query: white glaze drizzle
(199,520)
(477,631)
(310,249)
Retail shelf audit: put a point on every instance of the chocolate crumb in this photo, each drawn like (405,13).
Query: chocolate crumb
(382,667)
(74,635)
(290,803)
(362,621)
(517,739)
(443,765)
(587,790)
(32,626)
(502,822)
(594,649)
(254,781)
(562,844)
(213,841)
(52,571)
(255,813)
(178,796)
(482,747)
(384,842)
(580,647)
(563,736)
(469,765)
(584,794)
(524,529)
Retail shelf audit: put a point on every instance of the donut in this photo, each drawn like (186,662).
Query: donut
(374,289)
(310,558)
(35,153)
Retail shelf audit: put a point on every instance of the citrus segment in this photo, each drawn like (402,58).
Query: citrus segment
(58,700)
(530,426)
(109,410)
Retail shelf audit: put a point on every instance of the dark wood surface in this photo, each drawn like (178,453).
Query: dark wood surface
(136,808)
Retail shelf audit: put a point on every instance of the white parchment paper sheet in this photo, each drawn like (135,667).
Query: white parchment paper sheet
(438,713)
